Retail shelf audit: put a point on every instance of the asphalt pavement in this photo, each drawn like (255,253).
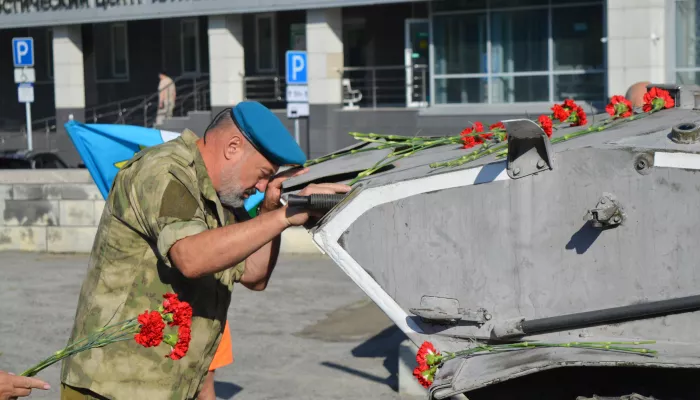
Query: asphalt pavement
(312,334)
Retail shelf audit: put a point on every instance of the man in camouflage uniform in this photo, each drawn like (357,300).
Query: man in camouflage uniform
(167,226)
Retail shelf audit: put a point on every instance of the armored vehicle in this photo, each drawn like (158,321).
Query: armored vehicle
(593,239)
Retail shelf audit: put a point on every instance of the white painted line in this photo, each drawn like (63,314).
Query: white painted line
(677,160)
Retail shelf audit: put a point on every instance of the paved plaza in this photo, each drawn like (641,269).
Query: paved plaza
(312,334)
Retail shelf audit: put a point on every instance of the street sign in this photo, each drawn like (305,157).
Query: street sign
(25,92)
(296,110)
(25,75)
(298,94)
(296,68)
(23,52)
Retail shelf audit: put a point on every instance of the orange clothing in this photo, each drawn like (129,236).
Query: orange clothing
(224,354)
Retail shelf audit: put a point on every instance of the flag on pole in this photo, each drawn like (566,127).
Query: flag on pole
(105,148)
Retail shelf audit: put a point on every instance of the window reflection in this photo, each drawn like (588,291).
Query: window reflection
(519,48)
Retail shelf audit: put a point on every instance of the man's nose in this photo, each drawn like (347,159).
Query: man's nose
(261,185)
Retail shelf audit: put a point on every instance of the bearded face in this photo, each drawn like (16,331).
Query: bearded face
(232,193)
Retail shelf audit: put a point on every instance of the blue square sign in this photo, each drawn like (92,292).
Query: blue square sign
(296,68)
(23,52)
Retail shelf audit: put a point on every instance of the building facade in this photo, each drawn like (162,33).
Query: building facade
(391,66)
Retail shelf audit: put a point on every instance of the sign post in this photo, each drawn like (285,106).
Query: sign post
(23,58)
(297,88)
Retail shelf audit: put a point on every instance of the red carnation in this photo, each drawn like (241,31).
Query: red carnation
(579,119)
(181,311)
(656,99)
(182,344)
(546,124)
(151,333)
(497,126)
(560,113)
(619,107)
(422,374)
(478,126)
(466,131)
(468,141)
(570,104)
(425,349)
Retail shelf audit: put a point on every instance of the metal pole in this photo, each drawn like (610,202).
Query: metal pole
(28,107)
(296,130)
(308,139)
(374,88)
(423,87)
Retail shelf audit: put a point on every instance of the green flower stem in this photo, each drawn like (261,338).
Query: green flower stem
(614,346)
(474,155)
(399,155)
(355,151)
(358,135)
(117,332)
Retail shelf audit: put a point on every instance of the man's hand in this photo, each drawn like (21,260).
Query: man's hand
(12,386)
(274,189)
(300,217)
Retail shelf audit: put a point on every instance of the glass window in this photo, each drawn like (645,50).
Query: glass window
(584,87)
(520,89)
(266,47)
(49,53)
(576,33)
(512,51)
(120,67)
(687,32)
(519,41)
(461,90)
(457,5)
(460,43)
(189,45)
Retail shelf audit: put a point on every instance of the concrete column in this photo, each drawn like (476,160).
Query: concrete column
(324,47)
(324,44)
(69,83)
(226,61)
(636,43)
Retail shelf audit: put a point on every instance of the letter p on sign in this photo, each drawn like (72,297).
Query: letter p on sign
(296,68)
(23,52)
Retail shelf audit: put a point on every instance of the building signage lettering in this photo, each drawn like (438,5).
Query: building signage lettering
(26,6)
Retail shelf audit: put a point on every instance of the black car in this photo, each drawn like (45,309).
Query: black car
(24,159)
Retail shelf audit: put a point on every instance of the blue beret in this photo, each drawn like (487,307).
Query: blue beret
(266,133)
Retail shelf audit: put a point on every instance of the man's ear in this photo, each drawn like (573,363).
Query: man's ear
(233,147)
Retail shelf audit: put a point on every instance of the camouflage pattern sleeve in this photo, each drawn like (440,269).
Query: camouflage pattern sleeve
(169,211)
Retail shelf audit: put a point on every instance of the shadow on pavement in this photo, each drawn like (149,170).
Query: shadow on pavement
(226,390)
(383,345)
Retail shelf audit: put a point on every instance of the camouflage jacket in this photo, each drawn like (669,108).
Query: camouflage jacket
(160,196)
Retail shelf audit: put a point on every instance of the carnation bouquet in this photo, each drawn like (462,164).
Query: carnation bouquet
(482,142)
(147,329)
(430,359)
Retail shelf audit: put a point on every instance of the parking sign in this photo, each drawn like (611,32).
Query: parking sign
(23,52)
(296,68)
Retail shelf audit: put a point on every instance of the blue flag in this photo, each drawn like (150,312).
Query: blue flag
(105,148)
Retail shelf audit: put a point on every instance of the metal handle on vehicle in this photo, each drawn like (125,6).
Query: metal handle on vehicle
(315,201)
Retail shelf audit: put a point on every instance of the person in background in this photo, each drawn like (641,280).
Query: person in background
(12,386)
(166,98)
(635,93)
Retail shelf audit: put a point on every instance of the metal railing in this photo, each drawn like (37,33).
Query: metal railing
(381,86)
(388,86)
(264,88)
(192,95)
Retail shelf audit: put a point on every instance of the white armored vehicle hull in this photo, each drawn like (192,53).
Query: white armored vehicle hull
(593,239)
